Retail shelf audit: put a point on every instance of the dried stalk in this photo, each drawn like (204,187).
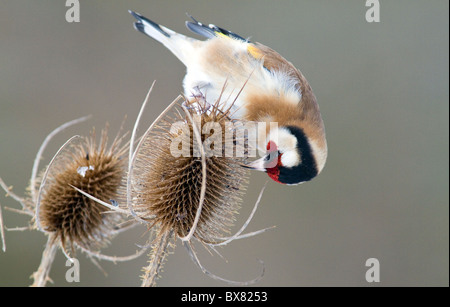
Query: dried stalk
(158,255)
(41,275)
(2,232)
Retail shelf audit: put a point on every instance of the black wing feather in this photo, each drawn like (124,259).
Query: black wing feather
(210,31)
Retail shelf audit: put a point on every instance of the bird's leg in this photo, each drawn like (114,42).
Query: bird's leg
(189,103)
(199,99)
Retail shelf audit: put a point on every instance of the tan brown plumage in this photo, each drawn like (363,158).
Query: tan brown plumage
(305,113)
(265,88)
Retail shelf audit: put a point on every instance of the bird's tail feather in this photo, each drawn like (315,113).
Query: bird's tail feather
(180,45)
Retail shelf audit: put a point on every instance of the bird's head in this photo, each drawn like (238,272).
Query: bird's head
(290,157)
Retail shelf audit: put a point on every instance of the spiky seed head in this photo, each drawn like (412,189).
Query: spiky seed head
(167,187)
(73,218)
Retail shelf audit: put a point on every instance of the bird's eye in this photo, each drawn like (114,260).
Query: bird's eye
(272,159)
(272,155)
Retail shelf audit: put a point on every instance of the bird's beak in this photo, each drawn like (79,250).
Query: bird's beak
(268,161)
(257,165)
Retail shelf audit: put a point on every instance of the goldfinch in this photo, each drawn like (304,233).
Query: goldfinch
(272,91)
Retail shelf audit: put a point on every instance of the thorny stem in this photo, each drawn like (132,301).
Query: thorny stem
(41,275)
(2,232)
(156,262)
(20,200)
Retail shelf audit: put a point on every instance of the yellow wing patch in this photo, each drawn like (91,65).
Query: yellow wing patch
(254,51)
(221,34)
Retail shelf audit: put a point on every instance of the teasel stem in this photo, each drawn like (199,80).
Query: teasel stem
(158,255)
(2,232)
(20,200)
(41,275)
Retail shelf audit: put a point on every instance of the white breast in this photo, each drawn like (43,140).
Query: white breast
(226,62)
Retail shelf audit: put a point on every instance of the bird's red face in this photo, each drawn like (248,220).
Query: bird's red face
(270,163)
(274,163)
(290,160)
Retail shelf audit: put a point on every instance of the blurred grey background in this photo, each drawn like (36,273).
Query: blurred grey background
(383,90)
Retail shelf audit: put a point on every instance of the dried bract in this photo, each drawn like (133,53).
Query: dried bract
(167,175)
(73,218)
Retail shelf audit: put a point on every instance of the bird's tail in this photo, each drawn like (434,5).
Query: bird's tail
(180,45)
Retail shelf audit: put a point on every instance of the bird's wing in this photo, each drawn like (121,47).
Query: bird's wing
(210,31)
(273,61)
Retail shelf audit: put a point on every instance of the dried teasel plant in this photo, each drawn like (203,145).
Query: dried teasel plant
(185,197)
(167,187)
(189,197)
(2,231)
(195,195)
(70,219)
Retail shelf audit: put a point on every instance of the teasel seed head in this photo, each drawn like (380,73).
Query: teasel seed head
(167,187)
(69,216)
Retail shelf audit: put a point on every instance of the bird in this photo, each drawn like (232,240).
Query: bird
(271,90)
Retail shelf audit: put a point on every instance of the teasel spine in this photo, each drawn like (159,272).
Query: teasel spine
(165,234)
